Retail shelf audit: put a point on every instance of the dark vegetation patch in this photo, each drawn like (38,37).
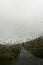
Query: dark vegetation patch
(9,54)
(9,51)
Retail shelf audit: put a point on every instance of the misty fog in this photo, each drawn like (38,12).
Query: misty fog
(20,19)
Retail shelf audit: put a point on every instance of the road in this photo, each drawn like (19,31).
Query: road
(26,58)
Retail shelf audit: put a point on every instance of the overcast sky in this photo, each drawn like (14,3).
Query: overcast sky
(20,17)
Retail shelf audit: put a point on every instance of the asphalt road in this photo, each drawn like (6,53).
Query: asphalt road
(26,58)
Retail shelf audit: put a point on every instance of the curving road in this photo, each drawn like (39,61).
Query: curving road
(27,59)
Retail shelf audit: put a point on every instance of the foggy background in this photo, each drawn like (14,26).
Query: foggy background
(20,19)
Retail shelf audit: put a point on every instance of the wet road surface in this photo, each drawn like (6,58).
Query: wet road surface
(26,58)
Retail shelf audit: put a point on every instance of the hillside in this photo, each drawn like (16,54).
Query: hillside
(35,46)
